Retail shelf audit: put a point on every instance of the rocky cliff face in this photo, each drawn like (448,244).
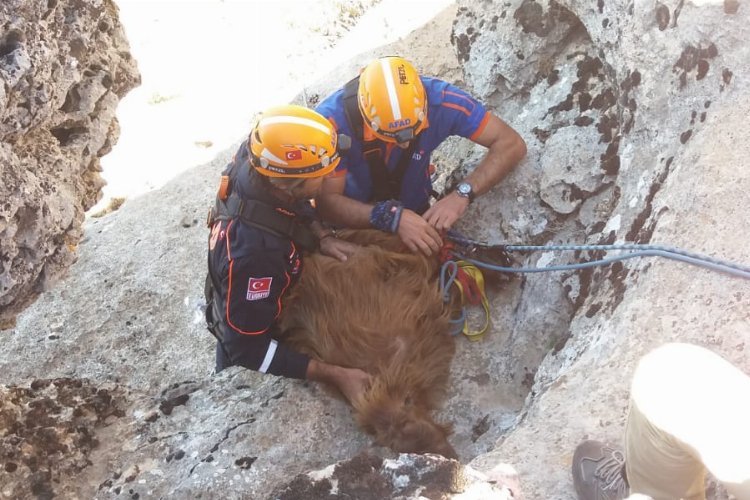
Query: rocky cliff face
(632,112)
(64,65)
(634,116)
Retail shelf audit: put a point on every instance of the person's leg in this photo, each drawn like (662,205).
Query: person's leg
(689,409)
(659,465)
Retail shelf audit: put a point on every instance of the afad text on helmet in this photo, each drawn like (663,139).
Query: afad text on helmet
(399,123)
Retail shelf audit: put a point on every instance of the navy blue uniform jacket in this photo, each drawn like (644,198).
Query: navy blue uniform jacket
(251,269)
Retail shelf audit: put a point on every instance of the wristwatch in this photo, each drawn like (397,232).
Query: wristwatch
(464,190)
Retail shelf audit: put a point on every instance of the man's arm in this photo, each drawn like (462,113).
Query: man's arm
(249,325)
(339,209)
(505,150)
(262,353)
(335,207)
(330,245)
(250,283)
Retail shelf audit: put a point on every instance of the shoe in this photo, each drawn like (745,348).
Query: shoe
(599,472)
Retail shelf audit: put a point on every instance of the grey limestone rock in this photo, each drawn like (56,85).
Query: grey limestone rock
(64,65)
(634,115)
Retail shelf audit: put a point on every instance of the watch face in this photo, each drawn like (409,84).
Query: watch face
(464,189)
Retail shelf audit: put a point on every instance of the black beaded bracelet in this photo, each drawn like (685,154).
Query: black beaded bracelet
(386,215)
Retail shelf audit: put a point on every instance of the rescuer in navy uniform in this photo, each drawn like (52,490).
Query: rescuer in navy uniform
(258,228)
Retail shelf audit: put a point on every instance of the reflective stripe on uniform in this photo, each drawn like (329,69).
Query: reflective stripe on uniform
(269,356)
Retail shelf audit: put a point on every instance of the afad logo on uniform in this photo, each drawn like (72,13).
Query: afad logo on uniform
(400,123)
(259,288)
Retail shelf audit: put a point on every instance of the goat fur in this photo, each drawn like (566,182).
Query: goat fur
(380,311)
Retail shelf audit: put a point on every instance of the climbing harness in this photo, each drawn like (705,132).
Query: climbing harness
(230,205)
(275,220)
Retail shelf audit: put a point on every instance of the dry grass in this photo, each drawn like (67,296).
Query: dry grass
(157,98)
(113,205)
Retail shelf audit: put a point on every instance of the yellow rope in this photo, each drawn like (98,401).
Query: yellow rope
(475,274)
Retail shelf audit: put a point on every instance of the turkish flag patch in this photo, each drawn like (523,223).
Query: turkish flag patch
(295,154)
(258,288)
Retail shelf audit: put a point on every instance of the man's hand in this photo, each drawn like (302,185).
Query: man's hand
(417,234)
(336,248)
(352,382)
(445,212)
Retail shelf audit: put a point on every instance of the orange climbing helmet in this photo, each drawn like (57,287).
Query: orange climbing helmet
(392,99)
(293,141)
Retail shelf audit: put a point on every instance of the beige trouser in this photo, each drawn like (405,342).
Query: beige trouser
(689,411)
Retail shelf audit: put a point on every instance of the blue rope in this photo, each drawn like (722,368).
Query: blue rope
(659,250)
(636,250)
(448,273)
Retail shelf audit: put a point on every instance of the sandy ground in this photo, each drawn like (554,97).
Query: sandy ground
(208,66)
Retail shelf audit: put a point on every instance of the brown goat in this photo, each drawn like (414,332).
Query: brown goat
(382,312)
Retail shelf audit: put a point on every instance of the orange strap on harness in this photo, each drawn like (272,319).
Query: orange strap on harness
(224,188)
